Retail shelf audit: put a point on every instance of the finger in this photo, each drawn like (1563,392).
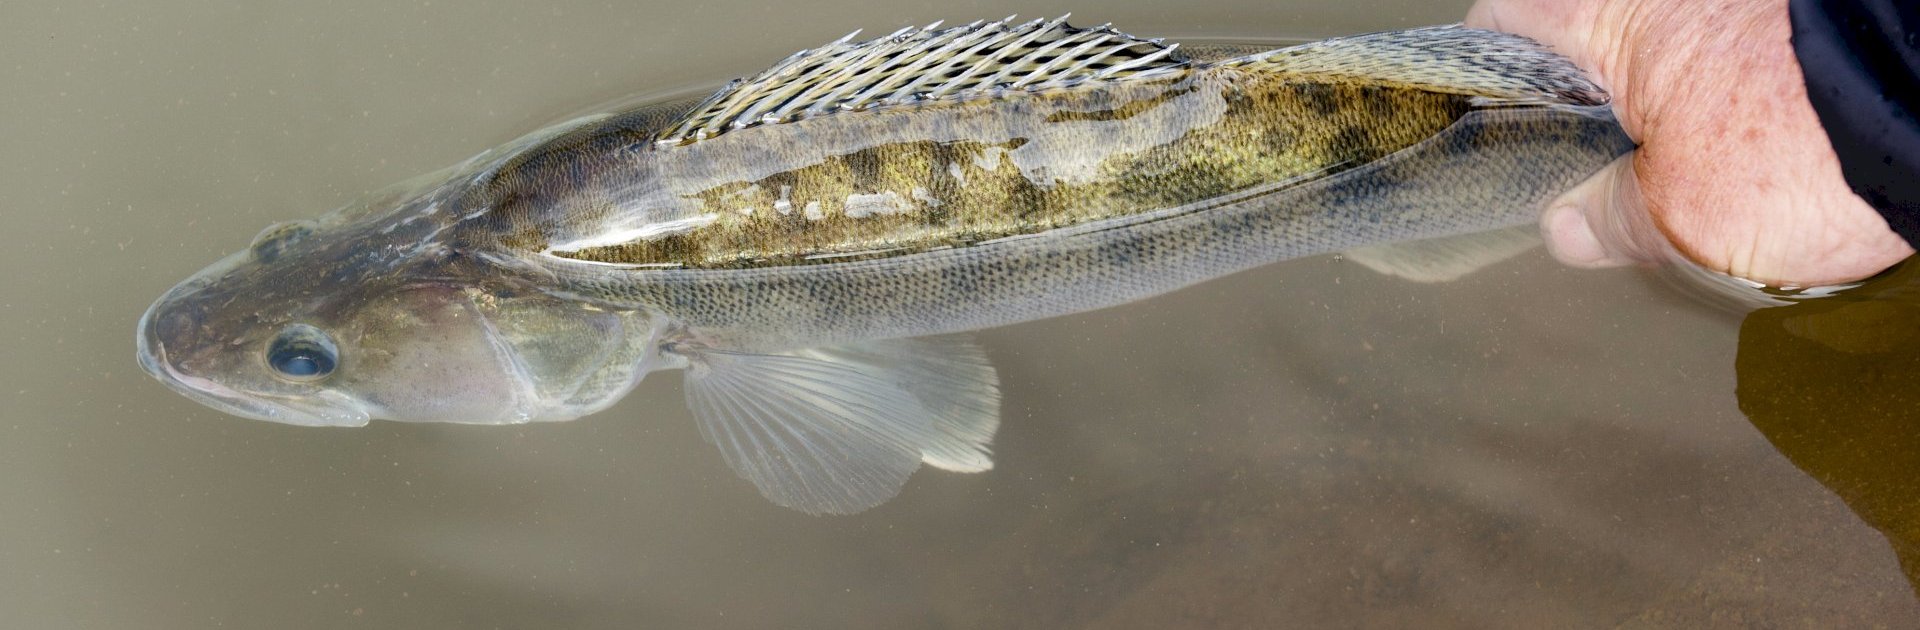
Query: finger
(1566,26)
(1525,17)
(1604,222)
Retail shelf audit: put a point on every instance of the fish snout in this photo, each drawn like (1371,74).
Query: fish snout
(175,345)
(168,318)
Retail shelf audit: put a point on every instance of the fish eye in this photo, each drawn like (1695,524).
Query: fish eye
(302,353)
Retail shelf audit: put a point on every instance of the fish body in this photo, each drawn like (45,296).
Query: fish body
(807,243)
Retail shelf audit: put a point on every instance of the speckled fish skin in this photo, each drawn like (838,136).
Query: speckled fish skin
(804,241)
(790,256)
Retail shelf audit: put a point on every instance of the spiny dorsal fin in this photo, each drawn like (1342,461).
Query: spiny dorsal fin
(1450,59)
(919,64)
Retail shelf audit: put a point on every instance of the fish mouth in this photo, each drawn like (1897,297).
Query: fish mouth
(335,410)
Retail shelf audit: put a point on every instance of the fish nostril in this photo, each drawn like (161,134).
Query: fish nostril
(175,327)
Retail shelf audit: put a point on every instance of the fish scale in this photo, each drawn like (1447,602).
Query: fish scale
(956,192)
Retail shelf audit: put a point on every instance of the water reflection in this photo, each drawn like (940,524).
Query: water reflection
(1834,383)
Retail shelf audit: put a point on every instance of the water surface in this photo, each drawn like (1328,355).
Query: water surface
(1308,443)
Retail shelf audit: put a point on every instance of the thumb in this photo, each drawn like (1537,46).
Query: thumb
(1604,222)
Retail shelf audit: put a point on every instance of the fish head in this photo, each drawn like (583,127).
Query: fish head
(335,326)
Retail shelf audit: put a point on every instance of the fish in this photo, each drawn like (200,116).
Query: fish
(813,245)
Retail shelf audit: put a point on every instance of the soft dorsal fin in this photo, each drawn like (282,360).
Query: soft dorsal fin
(1450,59)
(918,64)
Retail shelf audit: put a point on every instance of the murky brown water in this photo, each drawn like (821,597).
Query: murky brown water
(1309,444)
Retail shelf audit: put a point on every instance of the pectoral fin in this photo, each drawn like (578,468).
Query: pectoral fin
(838,430)
(1447,259)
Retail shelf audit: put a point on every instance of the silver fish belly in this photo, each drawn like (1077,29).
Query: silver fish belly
(810,244)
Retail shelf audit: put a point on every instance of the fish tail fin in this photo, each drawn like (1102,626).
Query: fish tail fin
(1450,59)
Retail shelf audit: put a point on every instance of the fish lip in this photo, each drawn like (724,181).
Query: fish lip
(152,354)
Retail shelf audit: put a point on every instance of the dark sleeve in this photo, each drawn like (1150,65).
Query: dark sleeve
(1861,59)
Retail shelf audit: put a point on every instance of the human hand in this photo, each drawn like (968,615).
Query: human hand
(1734,171)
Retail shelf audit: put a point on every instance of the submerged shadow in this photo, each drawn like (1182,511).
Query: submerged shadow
(1834,384)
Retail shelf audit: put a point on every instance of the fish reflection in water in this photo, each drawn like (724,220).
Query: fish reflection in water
(810,244)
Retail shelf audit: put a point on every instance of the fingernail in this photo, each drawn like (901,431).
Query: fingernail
(1572,239)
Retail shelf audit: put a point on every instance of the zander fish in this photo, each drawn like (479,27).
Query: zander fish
(808,243)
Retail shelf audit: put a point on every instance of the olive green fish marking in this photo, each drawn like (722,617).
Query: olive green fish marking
(968,107)
(908,197)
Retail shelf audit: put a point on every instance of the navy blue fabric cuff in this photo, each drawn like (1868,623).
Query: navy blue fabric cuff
(1861,59)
